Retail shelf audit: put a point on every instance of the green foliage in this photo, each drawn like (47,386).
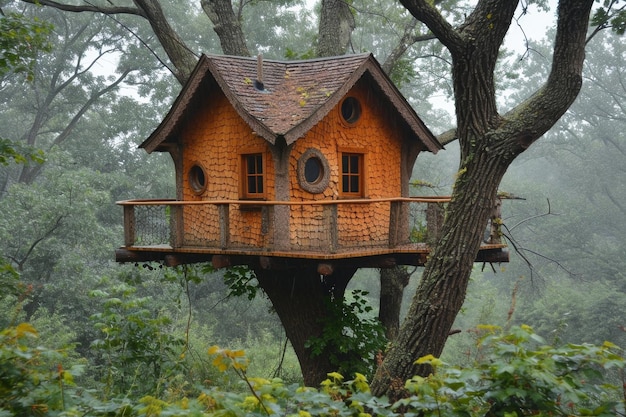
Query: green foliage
(516,374)
(9,279)
(136,352)
(20,41)
(241,281)
(32,380)
(13,151)
(352,337)
(610,15)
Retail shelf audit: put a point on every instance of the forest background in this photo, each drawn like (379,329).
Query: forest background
(99,92)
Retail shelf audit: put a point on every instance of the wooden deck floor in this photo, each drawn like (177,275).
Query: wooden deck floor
(409,254)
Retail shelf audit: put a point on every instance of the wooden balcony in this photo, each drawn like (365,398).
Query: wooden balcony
(280,234)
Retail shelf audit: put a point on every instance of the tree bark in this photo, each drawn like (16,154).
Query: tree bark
(393,281)
(335,28)
(183,58)
(489,143)
(227,26)
(300,298)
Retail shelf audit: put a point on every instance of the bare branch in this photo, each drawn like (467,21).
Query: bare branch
(523,252)
(20,263)
(548,213)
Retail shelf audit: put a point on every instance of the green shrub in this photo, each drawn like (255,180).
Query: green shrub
(516,375)
(32,379)
(136,354)
(351,335)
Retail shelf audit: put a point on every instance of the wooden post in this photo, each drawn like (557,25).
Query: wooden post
(495,233)
(224,219)
(434,221)
(332,230)
(395,210)
(176,226)
(129,225)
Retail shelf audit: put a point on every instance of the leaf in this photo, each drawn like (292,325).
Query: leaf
(429,359)
(25,329)
(337,377)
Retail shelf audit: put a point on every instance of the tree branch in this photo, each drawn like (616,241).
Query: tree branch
(532,118)
(447,136)
(88,8)
(48,233)
(426,13)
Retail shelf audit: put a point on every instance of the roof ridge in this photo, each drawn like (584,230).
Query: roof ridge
(289,61)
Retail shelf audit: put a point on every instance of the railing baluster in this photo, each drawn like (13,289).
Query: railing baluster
(129,225)
(495,235)
(434,220)
(224,218)
(395,208)
(176,226)
(330,220)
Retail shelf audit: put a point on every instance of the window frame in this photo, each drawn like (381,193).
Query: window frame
(353,104)
(321,183)
(197,178)
(360,174)
(244,191)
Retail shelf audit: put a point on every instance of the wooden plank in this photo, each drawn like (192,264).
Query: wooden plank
(129,225)
(395,210)
(224,219)
(156,202)
(332,228)
(176,226)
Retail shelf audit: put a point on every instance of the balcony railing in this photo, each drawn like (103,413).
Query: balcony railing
(330,227)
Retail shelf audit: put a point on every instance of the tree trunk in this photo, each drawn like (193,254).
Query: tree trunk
(227,26)
(393,281)
(489,144)
(442,289)
(300,298)
(183,58)
(335,28)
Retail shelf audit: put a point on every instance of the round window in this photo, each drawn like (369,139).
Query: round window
(350,110)
(197,179)
(313,171)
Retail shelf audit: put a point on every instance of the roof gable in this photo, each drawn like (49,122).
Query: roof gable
(293,96)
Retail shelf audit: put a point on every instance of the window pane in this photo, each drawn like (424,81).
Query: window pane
(312,170)
(252,185)
(259,184)
(345,184)
(354,184)
(354,164)
(259,164)
(344,164)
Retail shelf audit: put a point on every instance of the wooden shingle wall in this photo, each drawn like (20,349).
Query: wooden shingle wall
(373,134)
(215,138)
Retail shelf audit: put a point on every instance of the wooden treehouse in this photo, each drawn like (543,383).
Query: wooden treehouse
(283,164)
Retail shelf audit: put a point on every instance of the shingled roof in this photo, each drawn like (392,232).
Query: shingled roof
(291,97)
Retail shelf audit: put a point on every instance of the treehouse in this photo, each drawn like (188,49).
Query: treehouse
(290,163)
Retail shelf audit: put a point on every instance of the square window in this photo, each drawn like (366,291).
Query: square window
(352,174)
(252,176)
